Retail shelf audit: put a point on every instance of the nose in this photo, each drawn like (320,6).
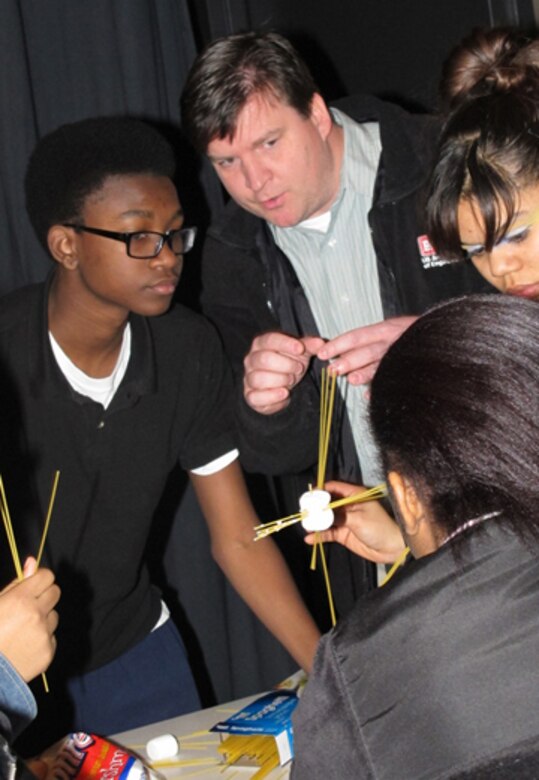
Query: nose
(504,259)
(166,258)
(255,174)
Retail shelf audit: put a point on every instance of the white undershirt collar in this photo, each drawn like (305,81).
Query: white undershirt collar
(102,389)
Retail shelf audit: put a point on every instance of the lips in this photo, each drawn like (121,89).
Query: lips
(165,286)
(272,203)
(529,291)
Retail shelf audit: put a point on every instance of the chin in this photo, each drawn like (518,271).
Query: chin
(153,311)
(282,220)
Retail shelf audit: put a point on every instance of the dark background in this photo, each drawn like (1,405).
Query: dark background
(64,60)
(393,48)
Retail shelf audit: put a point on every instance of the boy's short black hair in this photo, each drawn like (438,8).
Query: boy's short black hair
(72,162)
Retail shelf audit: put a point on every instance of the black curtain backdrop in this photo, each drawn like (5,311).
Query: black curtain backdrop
(65,60)
(391,48)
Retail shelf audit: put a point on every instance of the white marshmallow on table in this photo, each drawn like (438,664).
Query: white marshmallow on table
(165,746)
(319,517)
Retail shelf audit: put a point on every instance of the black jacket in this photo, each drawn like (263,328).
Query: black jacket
(250,287)
(433,673)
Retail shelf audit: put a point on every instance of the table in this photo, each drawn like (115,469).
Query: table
(196,744)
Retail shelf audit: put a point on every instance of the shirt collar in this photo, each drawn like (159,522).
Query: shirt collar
(361,148)
(46,379)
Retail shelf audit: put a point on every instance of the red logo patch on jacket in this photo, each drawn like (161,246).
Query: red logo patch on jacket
(429,257)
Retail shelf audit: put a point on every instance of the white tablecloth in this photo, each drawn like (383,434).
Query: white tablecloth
(196,744)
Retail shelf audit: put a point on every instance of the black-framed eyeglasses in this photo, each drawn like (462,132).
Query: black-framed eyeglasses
(145,244)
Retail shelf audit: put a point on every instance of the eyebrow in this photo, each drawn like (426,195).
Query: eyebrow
(527,218)
(263,138)
(256,143)
(147,214)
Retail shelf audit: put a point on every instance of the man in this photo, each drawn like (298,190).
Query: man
(321,252)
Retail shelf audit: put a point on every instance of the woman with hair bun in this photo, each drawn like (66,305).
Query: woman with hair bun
(483,202)
(435,674)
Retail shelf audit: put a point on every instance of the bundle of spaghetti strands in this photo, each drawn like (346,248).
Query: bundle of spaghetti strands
(8,526)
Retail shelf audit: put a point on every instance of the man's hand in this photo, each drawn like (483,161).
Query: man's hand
(365,529)
(273,367)
(357,353)
(28,621)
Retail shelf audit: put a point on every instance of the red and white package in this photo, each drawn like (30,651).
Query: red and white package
(89,757)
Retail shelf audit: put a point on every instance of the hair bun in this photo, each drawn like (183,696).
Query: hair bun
(488,62)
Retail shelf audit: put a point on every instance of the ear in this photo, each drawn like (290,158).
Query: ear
(63,246)
(418,528)
(320,115)
(409,504)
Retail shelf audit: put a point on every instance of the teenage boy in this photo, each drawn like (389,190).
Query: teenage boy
(111,387)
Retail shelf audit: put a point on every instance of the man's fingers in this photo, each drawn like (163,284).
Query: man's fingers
(267,401)
(277,342)
(268,380)
(312,345)
(362,361)
(362,347)
(364,376)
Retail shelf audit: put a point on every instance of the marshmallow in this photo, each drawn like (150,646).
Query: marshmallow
(315,503)
(165,746)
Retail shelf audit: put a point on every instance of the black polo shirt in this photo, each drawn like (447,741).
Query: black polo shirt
(173,403)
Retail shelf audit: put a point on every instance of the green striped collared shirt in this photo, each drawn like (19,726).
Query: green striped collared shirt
(334,259)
